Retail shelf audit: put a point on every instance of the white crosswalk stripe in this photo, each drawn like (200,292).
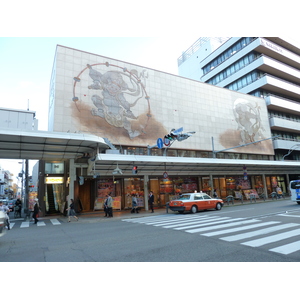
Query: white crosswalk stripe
(227,227)
(41,223)
(257,232)
(55,222)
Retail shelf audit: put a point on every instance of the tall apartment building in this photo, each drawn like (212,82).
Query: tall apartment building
(267,67)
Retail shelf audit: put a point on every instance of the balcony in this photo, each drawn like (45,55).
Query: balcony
(284,144)
(282,124)
(282,104)
(273,85)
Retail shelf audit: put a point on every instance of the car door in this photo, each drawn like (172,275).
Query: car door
(209,203)
(199,201)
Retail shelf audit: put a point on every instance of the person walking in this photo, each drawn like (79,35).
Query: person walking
(18,208)
(151,201)
(36,209)
(134,204)
(110,205)
(71,211)
(105,207)
(6,211)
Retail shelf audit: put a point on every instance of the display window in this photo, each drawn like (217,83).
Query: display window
(134,186)
(166,189)
(105,187)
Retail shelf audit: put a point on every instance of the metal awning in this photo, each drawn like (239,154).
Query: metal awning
(157,165)
(45,145)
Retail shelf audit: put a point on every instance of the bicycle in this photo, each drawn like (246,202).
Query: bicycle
(17,212)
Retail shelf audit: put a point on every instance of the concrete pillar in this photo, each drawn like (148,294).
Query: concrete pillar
(211,184)
(72,175)
(146,191)
(265,185)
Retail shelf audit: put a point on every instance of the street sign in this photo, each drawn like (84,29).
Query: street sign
(165,175)
(167,142)
(159,143)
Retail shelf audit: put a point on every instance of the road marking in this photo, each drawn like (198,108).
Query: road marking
(272,238)
(285,215)
(24,224)
(216,226)
(41,223)
(193,222)
(207,224)
(224,231)
(257,232)
(55,222)
(173,219)
(288,248)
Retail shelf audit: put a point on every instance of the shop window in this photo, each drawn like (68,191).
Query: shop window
(134,186)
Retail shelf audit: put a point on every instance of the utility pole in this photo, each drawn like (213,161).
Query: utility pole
(26,196)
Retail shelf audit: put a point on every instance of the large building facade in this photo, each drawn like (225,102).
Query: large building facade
(131,107)
(266,67)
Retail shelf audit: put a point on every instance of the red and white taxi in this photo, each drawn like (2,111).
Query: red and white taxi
(194,202)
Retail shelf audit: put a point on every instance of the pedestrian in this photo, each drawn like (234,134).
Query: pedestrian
(71,211)
(151,201)
(278,192)
(215,194)
(36,209)
(134,204)
(6,211)
(110,205)
(105,207)
(18,207)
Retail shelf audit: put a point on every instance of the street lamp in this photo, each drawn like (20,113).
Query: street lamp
(294,147)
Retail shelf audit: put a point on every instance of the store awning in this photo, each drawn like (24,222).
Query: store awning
(45,145)
(157,165)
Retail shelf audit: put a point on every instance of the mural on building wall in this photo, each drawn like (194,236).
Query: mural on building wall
(120,99)
(249,128)
(134,106)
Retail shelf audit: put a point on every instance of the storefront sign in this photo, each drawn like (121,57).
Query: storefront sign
(54,180)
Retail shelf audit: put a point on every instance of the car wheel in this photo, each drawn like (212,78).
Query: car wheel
(218,206)
(298,202)
(194,209)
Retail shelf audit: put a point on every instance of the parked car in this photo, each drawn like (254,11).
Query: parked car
(194,202)
(11,204)
(2,223)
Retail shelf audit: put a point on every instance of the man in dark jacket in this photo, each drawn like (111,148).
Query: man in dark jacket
(151,201)
(36,210)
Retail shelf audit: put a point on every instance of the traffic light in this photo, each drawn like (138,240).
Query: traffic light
(134,170)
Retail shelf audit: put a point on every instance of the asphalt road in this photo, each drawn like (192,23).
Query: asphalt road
(161,238)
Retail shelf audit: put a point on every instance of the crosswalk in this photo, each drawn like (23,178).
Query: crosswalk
(41,223)
(276,236)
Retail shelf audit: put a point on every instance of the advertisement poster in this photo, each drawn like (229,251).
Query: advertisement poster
(117,202)
(104,187)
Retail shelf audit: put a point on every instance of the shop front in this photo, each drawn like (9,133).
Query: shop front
(166,188)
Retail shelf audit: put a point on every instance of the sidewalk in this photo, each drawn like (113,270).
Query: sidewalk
(123,214)
(126,213)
